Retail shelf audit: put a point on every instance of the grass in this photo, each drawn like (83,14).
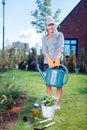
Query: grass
(73,113)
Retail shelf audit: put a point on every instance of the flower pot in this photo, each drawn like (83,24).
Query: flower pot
(48,111)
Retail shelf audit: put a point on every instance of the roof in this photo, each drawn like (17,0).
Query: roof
(82,1)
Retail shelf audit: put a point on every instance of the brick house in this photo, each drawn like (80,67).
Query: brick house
(74,28)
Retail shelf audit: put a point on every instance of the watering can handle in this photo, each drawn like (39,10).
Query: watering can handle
(67,74)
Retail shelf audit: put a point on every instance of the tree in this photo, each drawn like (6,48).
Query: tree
(40,14)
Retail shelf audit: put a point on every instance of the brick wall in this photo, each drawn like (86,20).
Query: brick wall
(75,26)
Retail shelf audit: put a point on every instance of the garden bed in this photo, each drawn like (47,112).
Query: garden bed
(10,116)
(8,120)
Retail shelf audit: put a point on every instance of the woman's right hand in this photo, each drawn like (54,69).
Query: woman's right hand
(50,63)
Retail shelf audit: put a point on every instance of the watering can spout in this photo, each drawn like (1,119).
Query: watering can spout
(42,74)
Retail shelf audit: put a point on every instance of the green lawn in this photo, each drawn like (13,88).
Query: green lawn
(73,113)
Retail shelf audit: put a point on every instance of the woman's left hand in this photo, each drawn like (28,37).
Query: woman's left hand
(57,62)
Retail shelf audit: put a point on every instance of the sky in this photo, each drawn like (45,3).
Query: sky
(18,19)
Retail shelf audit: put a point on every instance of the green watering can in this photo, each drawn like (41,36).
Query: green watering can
(55,76)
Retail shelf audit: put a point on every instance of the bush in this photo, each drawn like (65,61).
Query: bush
(9,92)
(82,61)
(71,62)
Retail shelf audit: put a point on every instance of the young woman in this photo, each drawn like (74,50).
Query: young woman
(52,49)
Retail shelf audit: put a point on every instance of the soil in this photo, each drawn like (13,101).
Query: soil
(9,117)
(7,120)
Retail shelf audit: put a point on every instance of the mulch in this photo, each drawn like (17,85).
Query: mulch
(9,117)
(7,120)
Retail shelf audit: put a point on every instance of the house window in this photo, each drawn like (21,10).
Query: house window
(70,45)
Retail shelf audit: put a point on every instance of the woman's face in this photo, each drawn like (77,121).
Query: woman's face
(50,28)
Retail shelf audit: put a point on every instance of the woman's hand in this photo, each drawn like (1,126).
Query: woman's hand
(57,62)
(50,63)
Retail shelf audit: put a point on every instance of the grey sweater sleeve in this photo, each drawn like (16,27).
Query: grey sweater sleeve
(44,47)
(60,39)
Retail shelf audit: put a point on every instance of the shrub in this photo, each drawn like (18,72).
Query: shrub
(9,92)
(71,62)
(82,61)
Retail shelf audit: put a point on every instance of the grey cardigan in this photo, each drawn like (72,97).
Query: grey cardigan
(58,43)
